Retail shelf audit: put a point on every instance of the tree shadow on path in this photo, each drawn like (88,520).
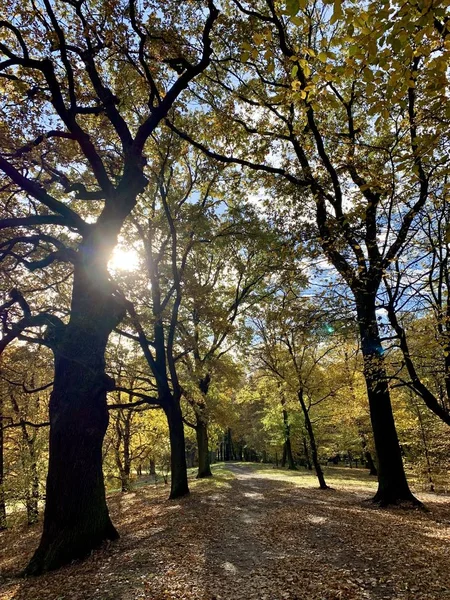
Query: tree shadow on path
(247,536)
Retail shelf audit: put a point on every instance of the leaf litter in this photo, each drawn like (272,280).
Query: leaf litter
(249,535)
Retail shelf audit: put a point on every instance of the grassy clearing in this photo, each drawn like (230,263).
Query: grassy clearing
(336,477)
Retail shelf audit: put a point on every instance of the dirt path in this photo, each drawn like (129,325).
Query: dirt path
(250,536)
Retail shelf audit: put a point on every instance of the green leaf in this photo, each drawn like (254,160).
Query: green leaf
(292,7)
(337,12)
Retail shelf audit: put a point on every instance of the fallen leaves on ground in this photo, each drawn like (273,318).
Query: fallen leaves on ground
(253,535)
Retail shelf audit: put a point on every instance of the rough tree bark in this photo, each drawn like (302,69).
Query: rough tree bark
(392,484)
(179,482)
(76,517)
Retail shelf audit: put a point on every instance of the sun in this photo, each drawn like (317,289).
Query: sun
(123,260)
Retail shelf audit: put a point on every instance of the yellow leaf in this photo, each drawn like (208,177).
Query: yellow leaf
(297,21)
(258,38)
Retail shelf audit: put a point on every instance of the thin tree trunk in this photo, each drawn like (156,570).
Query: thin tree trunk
(370,463)
(287,442)
(392,484)
(33,500)
(312,442)
(179,483)
(76,517)
(126,480)
(32,492)
(426,452)
(367,455)
(306,452)
(201,430)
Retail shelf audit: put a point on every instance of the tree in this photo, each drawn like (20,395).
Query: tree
(3,523)
(417,299)
(166,228)
(225,277)
(25,384)
(293,350)
(341,108)
(86,89)
(287,446)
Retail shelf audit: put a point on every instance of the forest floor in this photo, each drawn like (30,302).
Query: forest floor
(252,533)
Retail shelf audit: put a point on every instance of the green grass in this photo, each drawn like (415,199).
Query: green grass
(335,476)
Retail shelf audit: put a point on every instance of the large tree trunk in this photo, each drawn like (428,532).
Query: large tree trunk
(179,483)
(76,517)
(312,442)
(201,430)
(392,484)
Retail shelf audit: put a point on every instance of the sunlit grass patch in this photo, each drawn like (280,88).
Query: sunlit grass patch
(337,477)
(221,478)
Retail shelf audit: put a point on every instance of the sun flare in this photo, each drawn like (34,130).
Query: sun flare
(123,260)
